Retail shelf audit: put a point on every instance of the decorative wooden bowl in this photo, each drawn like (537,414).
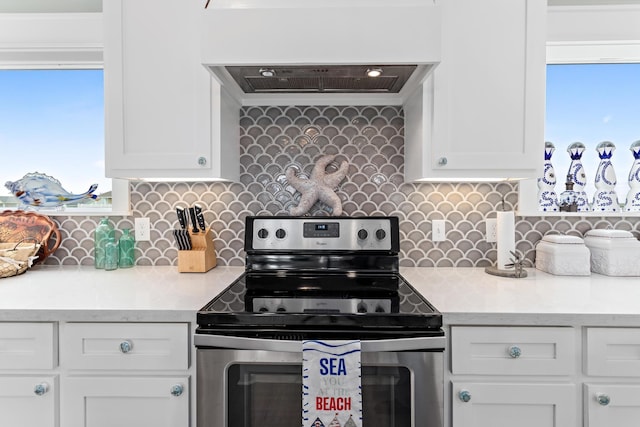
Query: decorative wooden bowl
(19,226)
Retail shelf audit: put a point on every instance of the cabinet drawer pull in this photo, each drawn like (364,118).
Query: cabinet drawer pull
(126,346)
(41,389)
(464,395)
(514,351)
(177,390)
(202,161)
(442,161)
(603,399)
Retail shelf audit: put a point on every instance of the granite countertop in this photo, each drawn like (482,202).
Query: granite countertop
(463,295)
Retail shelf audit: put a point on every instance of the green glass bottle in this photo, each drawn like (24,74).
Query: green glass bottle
(111,254)
(127,246)
(104,231)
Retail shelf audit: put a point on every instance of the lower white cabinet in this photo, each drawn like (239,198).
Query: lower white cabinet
(612,388)
(29,387)
(125,401)
(124,374)
(117,374)
(609,405)
(496,376)
(29,401)
(477,404)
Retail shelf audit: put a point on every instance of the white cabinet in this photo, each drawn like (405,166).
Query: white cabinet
(613,352)
(166,117)
(480,114)
(477,404)
(496,376)
(109,374)
(612,356)
(124,346)
(29,401)
(612,405)
(117,374)
(28,384)
(512,350)
(125,401)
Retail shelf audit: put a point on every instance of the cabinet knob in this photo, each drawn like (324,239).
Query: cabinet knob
(177,390)
(514,351)
(202,161)
(126,346)
(603,399)
(41,389)
(464,395)
(442,161)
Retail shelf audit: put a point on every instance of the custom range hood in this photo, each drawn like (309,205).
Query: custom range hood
(268,52)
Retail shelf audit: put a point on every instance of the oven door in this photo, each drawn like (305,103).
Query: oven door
(402,386)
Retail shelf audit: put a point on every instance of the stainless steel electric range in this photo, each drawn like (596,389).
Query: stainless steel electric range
(318,278)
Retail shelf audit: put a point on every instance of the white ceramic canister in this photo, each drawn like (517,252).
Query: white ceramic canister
(613,252)
(563,255)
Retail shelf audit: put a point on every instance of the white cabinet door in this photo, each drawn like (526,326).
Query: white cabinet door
(28,401)
(612,405)
(165,115)
(508,405)
(481,112)
(125,402)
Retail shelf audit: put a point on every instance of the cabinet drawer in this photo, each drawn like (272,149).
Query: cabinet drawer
(135,346)
(613,352)
(28,345)
(512,350)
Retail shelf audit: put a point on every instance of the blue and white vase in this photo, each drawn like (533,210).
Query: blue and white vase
(547,197)
(633,196)
(605,198)
(578,176)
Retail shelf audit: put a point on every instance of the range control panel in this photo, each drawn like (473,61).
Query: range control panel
(322,233)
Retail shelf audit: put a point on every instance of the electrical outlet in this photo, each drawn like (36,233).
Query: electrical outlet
(142,227)
(492,230)
(438,230)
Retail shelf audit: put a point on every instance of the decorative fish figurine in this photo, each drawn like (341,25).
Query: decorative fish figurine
(40,190)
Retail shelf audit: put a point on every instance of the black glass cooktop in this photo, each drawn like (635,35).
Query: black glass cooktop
(236,310)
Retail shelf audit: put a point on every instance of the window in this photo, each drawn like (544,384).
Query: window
(592,103)
(52,123)
(52,107)
(593,72)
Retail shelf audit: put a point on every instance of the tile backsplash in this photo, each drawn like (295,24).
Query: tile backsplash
(370,139)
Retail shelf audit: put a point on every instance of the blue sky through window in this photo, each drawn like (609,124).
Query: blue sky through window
(592,103)
(52,121)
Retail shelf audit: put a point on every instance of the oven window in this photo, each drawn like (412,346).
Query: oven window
(271,395)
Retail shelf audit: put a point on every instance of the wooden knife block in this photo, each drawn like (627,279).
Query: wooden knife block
(202,256)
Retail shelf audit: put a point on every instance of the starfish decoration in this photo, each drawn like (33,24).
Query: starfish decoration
(320,186)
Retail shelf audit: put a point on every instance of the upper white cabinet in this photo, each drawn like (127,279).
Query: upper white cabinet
(166,117)
(480,114)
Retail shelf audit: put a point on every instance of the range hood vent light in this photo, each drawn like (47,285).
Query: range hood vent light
(321,79)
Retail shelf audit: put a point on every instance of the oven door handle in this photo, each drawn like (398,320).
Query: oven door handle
(390,345)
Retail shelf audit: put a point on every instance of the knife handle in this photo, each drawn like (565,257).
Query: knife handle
(192,214)
(182,218)
(199,217)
